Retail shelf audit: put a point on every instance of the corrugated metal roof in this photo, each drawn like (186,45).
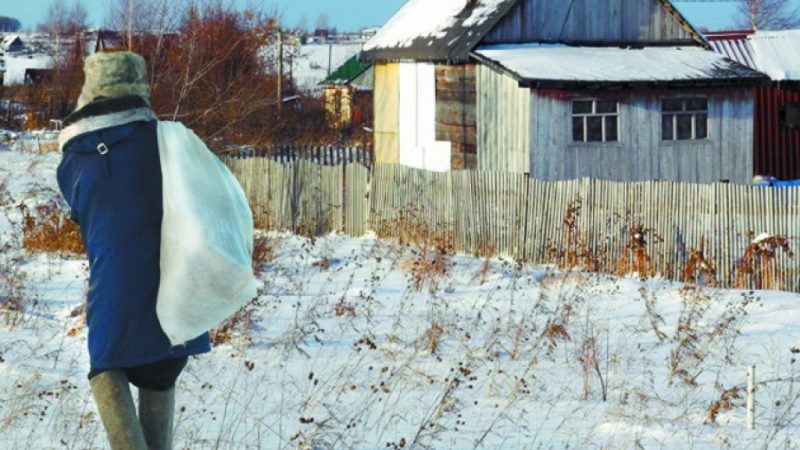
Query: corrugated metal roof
(435,30)
(347,72)
(738,50)
(776,53)
(542,65)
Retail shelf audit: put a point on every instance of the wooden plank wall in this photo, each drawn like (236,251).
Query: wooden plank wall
(511,214)
(455,113)
(504,131)
(641,154)
(387,113)
(588,20)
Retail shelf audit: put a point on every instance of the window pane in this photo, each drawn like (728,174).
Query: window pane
(701,126)
(697,104)
(577,129)
(606,107)
(672,104)
(684,126)
(582,107)
(594,129)
(666,127)
(611,128)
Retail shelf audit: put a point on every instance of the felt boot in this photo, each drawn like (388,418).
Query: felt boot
(114,401)
(156,414)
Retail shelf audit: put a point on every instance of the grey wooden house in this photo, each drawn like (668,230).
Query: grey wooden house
(615,89)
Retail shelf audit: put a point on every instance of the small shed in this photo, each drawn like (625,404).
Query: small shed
(346,91)
(625,90)
(13,43)
(776,147)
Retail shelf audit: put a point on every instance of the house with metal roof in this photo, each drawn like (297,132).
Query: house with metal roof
(12,43)
(625,90)
(346,93)
(776,134)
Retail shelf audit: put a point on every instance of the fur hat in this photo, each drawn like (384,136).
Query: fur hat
(113,75)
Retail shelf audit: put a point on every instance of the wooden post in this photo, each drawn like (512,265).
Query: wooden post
(280,68)
(751,398)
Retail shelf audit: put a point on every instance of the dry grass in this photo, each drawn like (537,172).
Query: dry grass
(47,228)
(263,252)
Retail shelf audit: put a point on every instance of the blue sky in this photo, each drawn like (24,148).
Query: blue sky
(347,14)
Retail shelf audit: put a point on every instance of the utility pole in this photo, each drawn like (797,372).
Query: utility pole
(330,58)
(280,68)
(130,25)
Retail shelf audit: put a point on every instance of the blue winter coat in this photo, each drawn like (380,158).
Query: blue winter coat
(111,179)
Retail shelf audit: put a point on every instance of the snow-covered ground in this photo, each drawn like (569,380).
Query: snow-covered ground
(339,351)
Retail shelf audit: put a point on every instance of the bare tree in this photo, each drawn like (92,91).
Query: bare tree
(323,22)
(61,20)
(55,19)
(767,15)
(77,18)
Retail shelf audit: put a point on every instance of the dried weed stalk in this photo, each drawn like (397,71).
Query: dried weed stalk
(698,270)
(574,249)
(635,258)
(238,325)
(726,402)
(759,267)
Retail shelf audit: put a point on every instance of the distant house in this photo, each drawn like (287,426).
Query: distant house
(110,40)
(38,76)
(13,44)
(776,147)
(345,91)
(614,89)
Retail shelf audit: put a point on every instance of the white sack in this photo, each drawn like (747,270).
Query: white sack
(206,238)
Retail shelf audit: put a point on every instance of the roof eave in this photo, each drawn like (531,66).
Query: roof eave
(645,84)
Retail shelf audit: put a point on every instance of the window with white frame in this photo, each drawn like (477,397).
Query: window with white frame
(684,118)
(595,121)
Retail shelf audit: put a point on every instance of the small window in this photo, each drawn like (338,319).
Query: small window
(595,121)
(684,119)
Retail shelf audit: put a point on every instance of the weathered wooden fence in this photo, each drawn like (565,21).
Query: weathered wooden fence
(325,155)
(537,221)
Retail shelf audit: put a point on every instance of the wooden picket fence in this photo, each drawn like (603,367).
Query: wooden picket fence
(595,224)
(325,155)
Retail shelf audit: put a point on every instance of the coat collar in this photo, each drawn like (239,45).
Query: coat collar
(105,113)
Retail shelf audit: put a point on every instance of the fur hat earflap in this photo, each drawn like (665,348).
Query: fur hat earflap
(114,75)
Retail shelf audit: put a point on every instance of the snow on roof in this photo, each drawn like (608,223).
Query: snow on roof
(435,30)
(557,62)
(777,53)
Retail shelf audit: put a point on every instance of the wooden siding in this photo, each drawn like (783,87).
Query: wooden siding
(640,154)
(455,113)
(503,122)
(387,112)
(588,20)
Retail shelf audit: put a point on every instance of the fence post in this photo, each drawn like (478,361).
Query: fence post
(751,398)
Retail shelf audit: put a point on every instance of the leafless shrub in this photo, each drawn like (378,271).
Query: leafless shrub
(697,334)
(48,229)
